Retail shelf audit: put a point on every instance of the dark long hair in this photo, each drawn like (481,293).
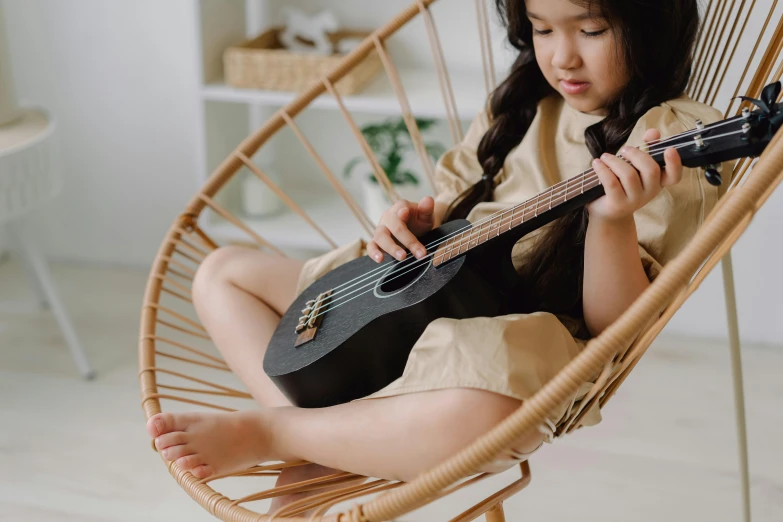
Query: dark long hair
(657,39)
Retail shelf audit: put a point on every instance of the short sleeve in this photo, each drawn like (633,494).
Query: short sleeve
(459,168)
(667,223)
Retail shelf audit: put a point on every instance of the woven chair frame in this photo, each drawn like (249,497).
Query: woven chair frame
(174,347)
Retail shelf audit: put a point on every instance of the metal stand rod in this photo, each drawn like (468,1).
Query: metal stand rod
(739,394)
(38,270)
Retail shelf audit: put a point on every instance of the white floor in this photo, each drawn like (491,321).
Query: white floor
(72,450)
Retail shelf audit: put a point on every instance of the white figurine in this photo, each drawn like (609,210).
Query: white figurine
(309,28)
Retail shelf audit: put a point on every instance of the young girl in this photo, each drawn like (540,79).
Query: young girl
(591,77)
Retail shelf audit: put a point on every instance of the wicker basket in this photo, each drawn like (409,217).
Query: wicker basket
(263,63)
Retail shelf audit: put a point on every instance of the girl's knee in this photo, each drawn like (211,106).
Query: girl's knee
(481,409)
(215,269)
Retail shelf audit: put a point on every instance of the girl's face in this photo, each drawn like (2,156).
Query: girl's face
(578,53)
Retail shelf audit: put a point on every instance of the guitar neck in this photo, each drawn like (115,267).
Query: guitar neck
(509,225)
(704,146)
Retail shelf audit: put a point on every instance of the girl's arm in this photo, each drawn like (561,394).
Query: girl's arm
(614,276)
(613,272)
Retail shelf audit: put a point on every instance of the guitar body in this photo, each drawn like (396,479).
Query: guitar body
(365,337)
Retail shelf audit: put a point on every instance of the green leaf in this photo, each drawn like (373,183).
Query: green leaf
(410,177)
(424,124)
(351,165)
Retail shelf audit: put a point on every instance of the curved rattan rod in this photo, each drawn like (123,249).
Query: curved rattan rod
(725,246)
(318,499)
(354,207)
(184,330)
(767,62)
(407,115)
(201,237)
(587,400)
(596,353)
(380,174)
(192,361)
(184,347)
(158,396)
(700,44)
(185,255)
(750,58)
(178,264)
(283,196)
(255,469)
(227,389)
(325,506)
(179,274)
(193,248)
(178,315)
(629,365)
(228,216)
(444,80)
(252,143)
(725,66)
(197,390)
(491,501)
(177,285)
(205,238)
(704,30)
(176,294)
(710,39)
(717,46)
(300,487)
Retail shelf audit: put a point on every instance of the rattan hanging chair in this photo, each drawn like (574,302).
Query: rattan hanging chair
(179,366)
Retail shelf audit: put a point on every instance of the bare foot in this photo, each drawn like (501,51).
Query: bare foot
(209,444)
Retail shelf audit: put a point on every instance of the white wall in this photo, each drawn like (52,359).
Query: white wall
(121,78)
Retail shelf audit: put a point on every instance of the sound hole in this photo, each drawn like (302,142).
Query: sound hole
(402,275)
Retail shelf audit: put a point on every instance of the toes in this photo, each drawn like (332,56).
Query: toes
(163,423)
(170,439)
(189,462)
(176,452)
(203,471)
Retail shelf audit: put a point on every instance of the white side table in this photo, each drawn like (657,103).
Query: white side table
(29,178)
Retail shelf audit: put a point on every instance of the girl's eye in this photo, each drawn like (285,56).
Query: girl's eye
(541,33)
(594,34)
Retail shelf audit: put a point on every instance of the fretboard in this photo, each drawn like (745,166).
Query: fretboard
(538,208)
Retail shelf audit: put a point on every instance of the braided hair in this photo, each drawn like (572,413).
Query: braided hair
(657,38)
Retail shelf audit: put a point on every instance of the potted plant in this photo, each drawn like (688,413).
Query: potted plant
(390,141)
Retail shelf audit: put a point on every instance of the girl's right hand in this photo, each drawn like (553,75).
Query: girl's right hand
(400,225)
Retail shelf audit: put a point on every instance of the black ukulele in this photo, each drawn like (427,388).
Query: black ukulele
(350,332)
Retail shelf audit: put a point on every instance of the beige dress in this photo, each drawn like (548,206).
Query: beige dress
(515,355)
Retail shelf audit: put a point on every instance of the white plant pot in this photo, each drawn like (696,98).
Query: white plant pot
(258,200)
(376,203)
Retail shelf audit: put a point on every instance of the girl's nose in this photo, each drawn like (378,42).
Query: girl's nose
(566,55)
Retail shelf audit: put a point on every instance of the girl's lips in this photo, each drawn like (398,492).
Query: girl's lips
(574,87)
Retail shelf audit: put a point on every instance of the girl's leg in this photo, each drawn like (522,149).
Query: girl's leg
(393,438)
(239,295)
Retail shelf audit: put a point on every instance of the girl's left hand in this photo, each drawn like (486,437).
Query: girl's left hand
(629,187)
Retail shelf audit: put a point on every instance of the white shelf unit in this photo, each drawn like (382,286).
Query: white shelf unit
(378,97)
(230,114)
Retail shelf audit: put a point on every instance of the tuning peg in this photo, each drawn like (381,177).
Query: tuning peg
(713,176)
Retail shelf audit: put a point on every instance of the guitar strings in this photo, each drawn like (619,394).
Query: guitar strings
(500,213)
(333,304)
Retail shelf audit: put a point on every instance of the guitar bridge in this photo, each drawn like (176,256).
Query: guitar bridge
(311,318)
